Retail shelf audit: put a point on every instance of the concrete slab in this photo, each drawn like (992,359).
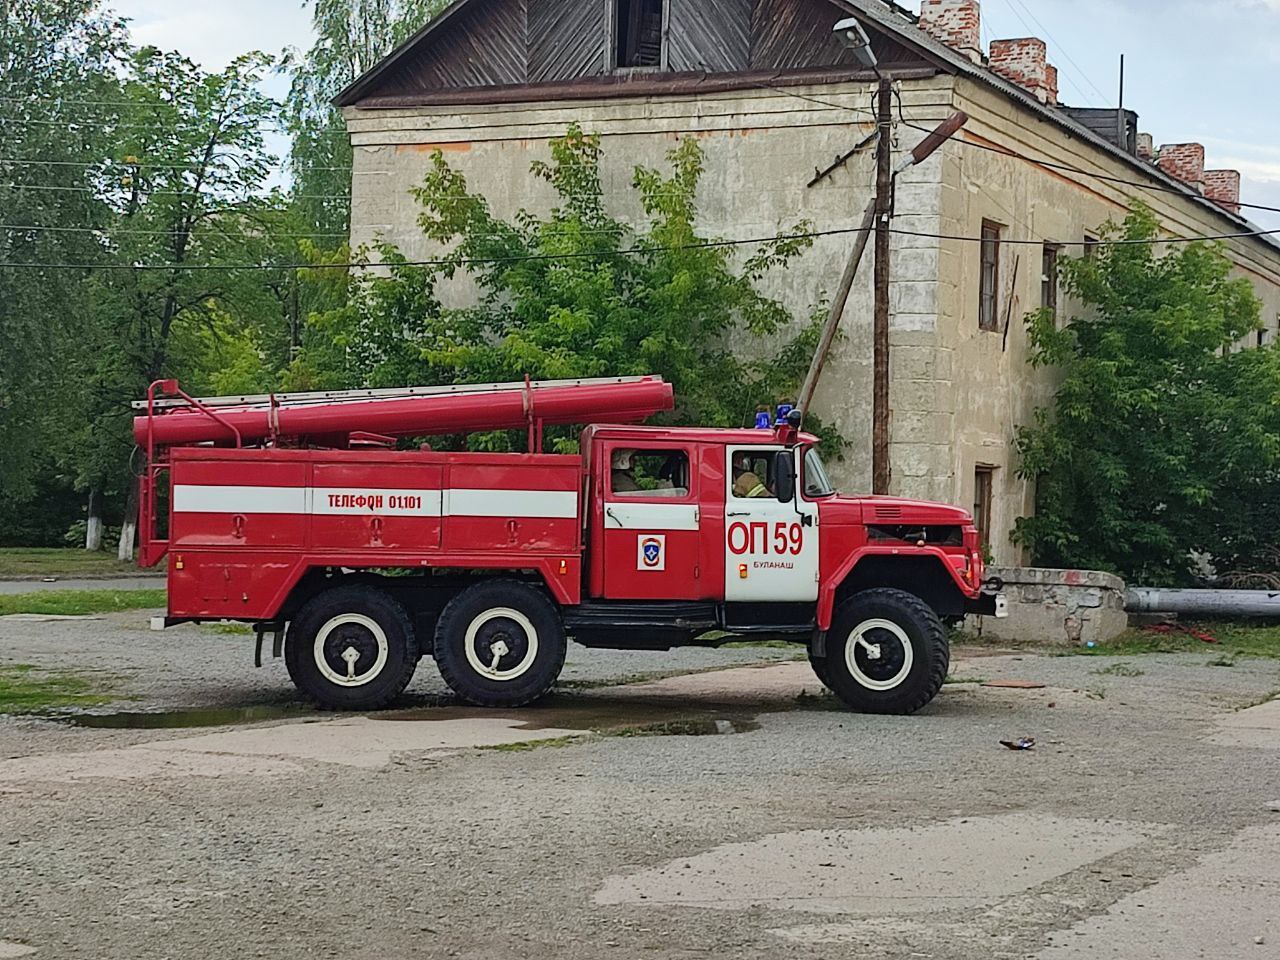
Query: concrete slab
(1254,727)
(272,751)
(955,864)
(756,687)
(365,742)
(10,950)
(1228,905)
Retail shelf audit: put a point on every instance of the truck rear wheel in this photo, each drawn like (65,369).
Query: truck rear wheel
(500,644)
(351,648)
(886,652)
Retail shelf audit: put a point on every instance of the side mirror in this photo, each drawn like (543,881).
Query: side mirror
(784,475)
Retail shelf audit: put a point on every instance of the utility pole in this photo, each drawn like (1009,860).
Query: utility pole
(877,216)
(880,471)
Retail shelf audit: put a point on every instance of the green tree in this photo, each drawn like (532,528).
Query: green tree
(58,62)
(351,36)
(577,293)
(187,214)
(1159,421)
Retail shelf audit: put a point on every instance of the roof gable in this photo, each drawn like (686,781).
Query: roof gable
(486,44)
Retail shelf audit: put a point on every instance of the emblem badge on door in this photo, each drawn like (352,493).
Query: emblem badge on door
(651,552)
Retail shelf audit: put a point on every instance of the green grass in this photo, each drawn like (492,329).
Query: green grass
(73,603)
(527,745)
(965,680)
(1234,640)
(1118,670)
(59,561)
(27,689)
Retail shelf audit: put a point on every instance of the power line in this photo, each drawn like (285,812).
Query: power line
(1061,49)
(1049,164)
(28,162)
(158,193)
(1066,76)
(49,228)
(606,254)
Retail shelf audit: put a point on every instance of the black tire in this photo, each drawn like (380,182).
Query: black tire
(490,613)
(379,632)
(890,677)
(820,670)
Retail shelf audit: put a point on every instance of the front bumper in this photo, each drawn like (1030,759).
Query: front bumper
(992,602)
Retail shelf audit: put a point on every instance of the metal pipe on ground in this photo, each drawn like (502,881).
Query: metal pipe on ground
(1206,603)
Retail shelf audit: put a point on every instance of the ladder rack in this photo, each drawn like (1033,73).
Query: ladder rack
(398,393)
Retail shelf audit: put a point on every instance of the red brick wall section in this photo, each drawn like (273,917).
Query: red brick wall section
(1183,161)
(957,23)
(1223,188)
(1025,62)
(1051,83)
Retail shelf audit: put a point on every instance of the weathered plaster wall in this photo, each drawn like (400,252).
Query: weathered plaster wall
(998,389)
(762,148)
(957,393)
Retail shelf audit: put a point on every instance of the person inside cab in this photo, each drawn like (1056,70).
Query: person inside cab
(624,474)
(746,482)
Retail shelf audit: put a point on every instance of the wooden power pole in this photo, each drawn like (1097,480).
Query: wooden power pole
(880,471)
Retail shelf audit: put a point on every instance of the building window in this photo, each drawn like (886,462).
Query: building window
(649,473)
(638,33)
(989,293)
(983,484)
(1049,278)
(1090,246)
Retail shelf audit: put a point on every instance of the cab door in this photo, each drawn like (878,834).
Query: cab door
(771,548)
(651,522)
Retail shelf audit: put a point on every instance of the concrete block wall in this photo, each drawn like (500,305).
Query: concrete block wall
(1056,606)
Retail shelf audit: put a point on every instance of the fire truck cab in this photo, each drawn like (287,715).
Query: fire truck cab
(359,558)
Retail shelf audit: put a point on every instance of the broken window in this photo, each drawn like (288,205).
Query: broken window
(1049,278)
(983,485)
(637,33)
(989,295)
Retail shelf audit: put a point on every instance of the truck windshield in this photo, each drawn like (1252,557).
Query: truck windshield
(816,481)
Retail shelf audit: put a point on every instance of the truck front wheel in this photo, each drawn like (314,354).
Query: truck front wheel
(886,652)
(500,644)
(351,648)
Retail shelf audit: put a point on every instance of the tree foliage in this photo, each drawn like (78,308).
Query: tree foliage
(351,36)
(576,293)
(1163,437)
(57,58)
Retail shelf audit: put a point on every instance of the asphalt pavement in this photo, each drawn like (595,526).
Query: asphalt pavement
(730,810)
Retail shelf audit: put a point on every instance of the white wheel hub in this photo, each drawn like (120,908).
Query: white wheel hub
(366,640)
(885,661)
(501,644)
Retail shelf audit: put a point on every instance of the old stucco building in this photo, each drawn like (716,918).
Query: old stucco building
(774,98)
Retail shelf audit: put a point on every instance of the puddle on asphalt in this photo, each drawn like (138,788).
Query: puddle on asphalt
(612,716)
(184,719)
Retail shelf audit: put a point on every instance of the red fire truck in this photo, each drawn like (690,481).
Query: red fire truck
(304,515)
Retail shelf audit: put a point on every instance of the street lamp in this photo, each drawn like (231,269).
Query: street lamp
(853,36)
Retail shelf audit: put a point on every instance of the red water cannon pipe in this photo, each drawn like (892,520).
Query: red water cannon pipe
(427,415)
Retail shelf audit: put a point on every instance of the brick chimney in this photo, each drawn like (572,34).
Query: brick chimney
(1223,188)
(1183,161)
(957,23)
(1024,61)
(1146,146)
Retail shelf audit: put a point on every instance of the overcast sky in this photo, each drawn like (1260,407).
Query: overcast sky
(1198,70)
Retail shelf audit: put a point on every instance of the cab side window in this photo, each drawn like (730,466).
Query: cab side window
(638,473)
(751,473)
